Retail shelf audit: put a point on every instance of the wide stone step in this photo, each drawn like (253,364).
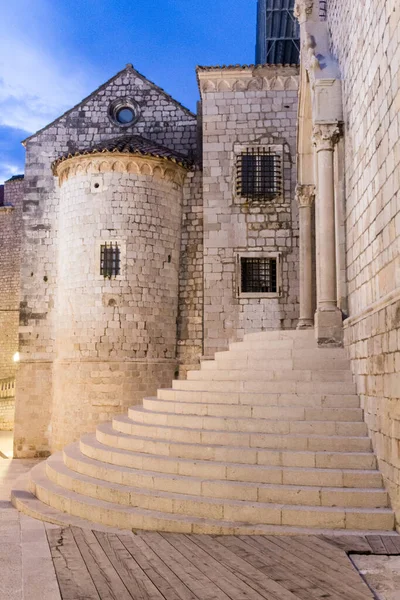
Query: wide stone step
(298,492)
(320,400)
(348,469)
(280,334)
(268,387)
(267,375)
(265,354)
(134,487)
(57,494)
(285,413)
(140,415)
(51,502)
(274,363)
(278,344)
(278,436)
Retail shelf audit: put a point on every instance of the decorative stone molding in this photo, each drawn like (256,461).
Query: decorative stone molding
(120,163)
(309,57)
(305,195)
(303,9)
(326,135)
(263,78)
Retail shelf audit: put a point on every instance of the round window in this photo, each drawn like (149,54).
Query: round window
(125,115)
(123,112)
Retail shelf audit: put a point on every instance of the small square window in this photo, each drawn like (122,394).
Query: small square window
(258,174)
(258,275)
(110,260)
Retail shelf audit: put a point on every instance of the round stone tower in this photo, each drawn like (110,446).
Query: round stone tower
(117,293)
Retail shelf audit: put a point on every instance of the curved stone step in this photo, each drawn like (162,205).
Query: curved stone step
(139,414)
(26,502)
(298,493)
(106,434)
(320,400)
(277,437)
(267,387)
(244,361)
(356,469)
(251,513)
(285,413)
(268,375)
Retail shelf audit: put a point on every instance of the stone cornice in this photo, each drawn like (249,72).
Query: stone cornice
(120,163)
(305,195)
(262,78)
(325,136)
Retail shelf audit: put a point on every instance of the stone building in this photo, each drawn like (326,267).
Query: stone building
(153,239)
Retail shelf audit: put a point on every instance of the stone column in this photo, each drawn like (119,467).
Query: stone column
(328,318)
(305,197)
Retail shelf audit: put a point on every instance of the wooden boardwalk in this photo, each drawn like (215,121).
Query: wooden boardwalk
(93,565)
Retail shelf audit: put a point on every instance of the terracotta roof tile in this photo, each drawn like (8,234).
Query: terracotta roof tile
(130,144)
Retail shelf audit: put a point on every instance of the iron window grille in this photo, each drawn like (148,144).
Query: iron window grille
(258,275)
(259,174)
(110,260)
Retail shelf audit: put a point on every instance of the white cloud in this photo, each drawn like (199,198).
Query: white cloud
(35,87)
(7,170)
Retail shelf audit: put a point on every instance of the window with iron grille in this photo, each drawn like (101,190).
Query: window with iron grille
(258,275)
(259,174)
(110,260)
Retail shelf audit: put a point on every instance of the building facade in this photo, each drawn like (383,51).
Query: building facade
(152,237)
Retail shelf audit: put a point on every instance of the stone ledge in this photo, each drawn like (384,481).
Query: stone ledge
(373,308)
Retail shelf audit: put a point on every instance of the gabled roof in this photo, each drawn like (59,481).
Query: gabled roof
(129,68)
(129,144)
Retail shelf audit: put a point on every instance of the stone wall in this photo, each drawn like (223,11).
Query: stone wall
(161,119)
(246,107)
(10,255)
(115,337)
(190,317)
(365,39)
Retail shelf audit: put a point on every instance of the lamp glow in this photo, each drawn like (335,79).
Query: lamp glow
(16,357)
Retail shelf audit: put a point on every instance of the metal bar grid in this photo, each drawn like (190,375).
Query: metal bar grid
(258,275)
(259,174)
(110,259)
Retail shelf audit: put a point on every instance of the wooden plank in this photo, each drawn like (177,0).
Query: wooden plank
(72,574)
(389,544)
(170,586)
(376,544)
(322,580)
(105,578)
(327,549)
(396,541)
(319,561)
(348,543)
(274,568)
(213,569)
(246,571)
(136,581)
(194,579)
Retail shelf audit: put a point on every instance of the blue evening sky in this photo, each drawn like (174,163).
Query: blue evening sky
(54,53)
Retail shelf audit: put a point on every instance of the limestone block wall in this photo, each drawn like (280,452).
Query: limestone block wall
(10,256)
(365,39)
(161,119)
(244,107)
(190,317)
(115,337)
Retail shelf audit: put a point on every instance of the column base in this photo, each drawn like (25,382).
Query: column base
(305,324)
(329,327)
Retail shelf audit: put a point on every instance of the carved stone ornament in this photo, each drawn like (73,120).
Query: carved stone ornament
(305,195)
(120,163)
(309,54)
(303,9)
(326,135)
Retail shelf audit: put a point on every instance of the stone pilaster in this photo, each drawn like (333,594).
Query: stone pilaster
(328,318)
(305,195)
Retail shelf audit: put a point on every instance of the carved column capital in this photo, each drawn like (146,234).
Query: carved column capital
(325,136)
(303,9)
(305,195)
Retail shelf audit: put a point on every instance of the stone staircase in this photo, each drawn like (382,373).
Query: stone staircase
(267,438)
